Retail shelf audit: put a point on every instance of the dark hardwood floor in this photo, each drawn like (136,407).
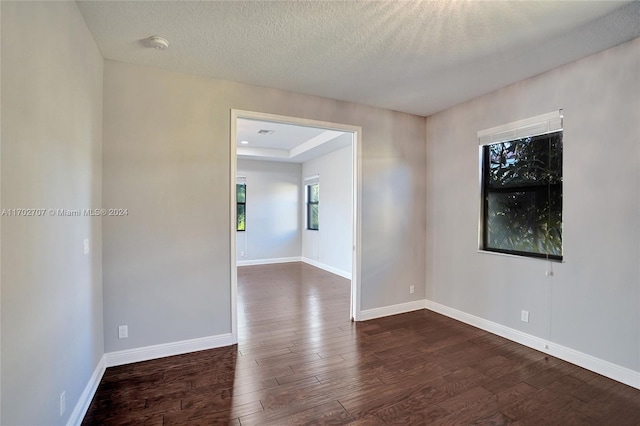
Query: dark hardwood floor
(301,361)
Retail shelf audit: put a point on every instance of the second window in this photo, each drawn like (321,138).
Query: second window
(313,206)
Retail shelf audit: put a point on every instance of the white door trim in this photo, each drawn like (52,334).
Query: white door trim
(356,191)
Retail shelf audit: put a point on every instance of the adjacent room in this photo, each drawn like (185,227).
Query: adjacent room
(449,234)
(281,170)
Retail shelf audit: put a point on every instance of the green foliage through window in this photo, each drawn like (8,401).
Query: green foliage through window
(522,196)
(313,207)
(241,197)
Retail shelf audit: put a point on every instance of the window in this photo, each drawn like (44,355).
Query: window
(521,211)
(241,198)
(313,206)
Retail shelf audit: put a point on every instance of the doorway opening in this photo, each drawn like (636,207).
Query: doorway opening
(315,139)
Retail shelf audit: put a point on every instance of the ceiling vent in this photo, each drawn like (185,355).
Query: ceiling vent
(266,132)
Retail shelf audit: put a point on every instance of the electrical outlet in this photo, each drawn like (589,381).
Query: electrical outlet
(524,316)
(63,402)
(412,289)
(123,332)
(241,253)
(85,245)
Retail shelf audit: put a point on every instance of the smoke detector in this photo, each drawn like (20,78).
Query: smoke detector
(157,42)
(265,132)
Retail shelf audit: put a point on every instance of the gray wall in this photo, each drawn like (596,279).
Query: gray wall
(52,336)
(166,158)
(331,244)
(591,302)
(273,210)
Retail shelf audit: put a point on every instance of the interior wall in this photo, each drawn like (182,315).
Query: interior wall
(331,245)
(167,159)
(52,339)
(273,206)
(590,303)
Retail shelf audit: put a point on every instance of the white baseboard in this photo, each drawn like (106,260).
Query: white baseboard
(146,353)
(340,272)
(89,391)
(600,366)
(268,261)
(385,311)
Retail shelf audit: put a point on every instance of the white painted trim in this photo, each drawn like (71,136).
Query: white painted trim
(0,244)
(146,353)
(269,261)
(233,226)
(386,311)
(254,115)
(600,366)
(356,258)
(89,391)
(340,272)
(357,199)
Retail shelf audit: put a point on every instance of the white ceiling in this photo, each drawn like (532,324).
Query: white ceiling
(287,142)
(413,56)
(284,136)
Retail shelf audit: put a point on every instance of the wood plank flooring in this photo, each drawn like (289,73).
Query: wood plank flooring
(301,361)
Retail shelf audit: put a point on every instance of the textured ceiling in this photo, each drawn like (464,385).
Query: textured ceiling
(413,56)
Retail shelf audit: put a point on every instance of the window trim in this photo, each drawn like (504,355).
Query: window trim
(531,127)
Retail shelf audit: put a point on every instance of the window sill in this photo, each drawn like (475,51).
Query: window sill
(497,253)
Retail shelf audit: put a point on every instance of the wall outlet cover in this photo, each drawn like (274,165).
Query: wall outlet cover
(123,332)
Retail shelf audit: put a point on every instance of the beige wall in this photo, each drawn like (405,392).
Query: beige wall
(166,159)
(591,302)
(51,158)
